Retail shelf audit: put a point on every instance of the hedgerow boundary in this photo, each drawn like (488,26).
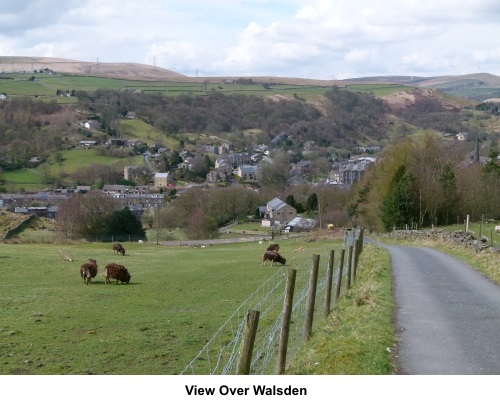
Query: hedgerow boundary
(271,325)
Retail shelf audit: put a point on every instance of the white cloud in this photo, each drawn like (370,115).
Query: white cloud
(308,38)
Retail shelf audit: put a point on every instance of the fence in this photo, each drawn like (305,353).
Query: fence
(270,326)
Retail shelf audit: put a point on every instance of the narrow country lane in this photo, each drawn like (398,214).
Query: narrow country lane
(447,315)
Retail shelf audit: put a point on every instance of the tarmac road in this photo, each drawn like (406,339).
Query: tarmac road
(447,315)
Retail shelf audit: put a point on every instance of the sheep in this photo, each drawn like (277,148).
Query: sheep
(117,272)
(118,248)
(273,247)
(273,257)
(88,270)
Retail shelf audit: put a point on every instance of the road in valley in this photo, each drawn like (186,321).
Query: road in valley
(447,315)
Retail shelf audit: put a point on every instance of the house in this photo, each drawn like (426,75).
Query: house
(279,211)
(88,144)
(134,143)
(163,179)
(131,173)
(131,115)
(39,211)
(280,138)
(349,173)
(217,175)
(187,163)
(114,189)
(247,172)
(237,159)
(463,136)
(115,142)
(220,163)
(225,148)
(93,125)
(82,189)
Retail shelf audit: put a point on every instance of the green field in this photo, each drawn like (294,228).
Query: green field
(378,90)
(27,179)
(73,160)
(145,132)
(45,87)
(178,297)
(77,159)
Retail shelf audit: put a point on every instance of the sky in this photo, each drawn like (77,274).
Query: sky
(314,39)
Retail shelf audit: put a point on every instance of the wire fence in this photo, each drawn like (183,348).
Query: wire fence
(221,353)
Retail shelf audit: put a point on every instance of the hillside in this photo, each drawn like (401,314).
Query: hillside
(130,71)
(478,86)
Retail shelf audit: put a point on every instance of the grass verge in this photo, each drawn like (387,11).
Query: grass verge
(358,337)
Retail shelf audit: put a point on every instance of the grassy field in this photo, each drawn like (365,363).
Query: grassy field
(76,159)
(145,132)
(378,90)
(52,323)
(73,160)
(45,87)
(27,179)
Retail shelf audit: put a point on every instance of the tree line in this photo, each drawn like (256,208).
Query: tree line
(424,182)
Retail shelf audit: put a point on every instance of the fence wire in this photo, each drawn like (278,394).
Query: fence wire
(221,353)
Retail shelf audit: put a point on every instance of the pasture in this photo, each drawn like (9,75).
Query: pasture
(23,179)
(73,160)
(178,297)
(45,86)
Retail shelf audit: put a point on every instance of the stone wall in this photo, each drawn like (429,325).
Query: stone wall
(467,240)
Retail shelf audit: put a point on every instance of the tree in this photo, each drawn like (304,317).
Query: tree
(398,207)
(201,226)
(312,203)
(87,215)
(448,183)
(290,200)
(125,222)
(274,174)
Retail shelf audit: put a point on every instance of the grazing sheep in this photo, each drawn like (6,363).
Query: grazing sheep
(274,257)
(117,272)
(273,247)
(118,248)
(88,270)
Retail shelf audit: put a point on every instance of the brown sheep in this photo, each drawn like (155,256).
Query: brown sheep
(117,272)
(88,270)
(118,248)
(273,257)
(273,247)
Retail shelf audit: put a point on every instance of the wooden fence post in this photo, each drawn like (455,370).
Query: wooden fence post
(329,282)
(349,266)
(354,266)
(313,279)
(245,359)
(339,275)
(285,321)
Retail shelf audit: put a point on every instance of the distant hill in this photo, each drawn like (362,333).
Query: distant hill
(129,71)
(478,86)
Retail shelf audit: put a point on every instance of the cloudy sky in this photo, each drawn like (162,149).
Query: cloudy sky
(317,39)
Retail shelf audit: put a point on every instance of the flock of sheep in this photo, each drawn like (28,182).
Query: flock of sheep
(118,272)
(88,270)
